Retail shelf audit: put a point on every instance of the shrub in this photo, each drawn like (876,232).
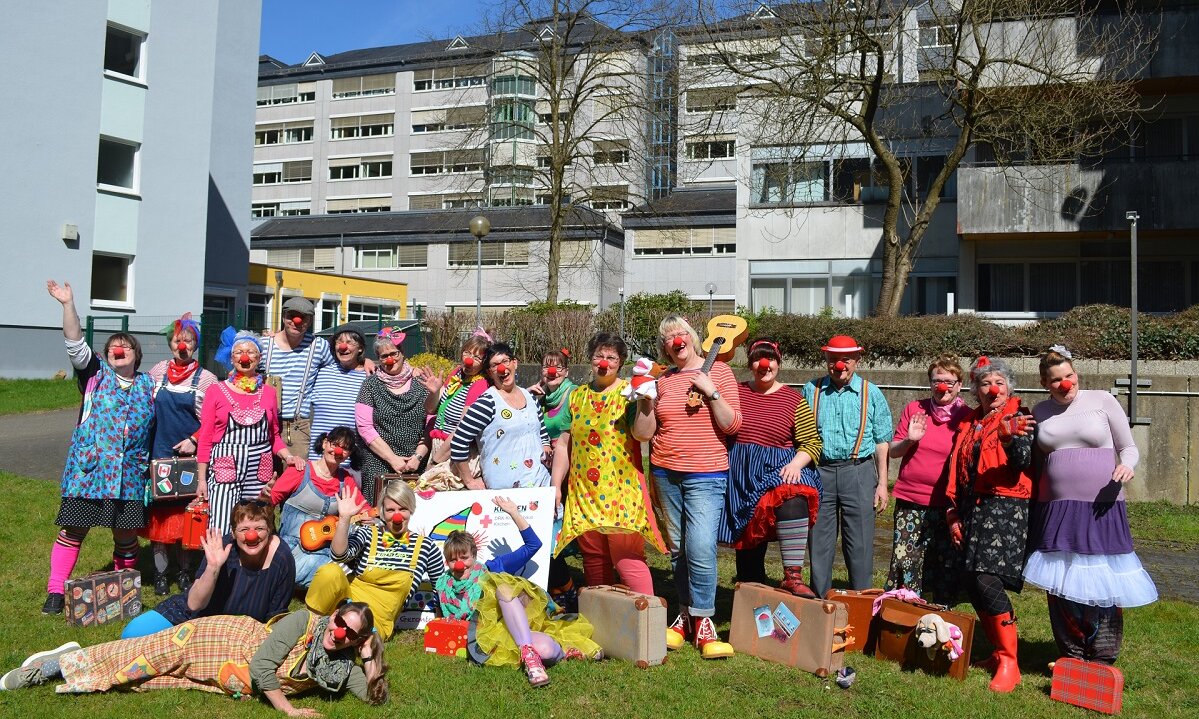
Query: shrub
(427,360)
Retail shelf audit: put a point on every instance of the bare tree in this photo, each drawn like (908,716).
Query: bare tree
(1020,82)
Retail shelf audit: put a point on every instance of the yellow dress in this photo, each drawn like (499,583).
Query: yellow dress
(607,490)
(492,636)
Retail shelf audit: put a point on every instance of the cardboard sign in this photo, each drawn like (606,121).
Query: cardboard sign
(439,513)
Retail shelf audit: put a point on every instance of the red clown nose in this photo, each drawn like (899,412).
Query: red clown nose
(118,353)
(469,362)
(459,566)
(763,364)
(840,366)
(339,452)
(551,372)
(993,390)
(941,387)
(252,535)
(339,633)
(390,361)
(297,321)
(1066,385)
(603,365)
(343,347)
(678,343)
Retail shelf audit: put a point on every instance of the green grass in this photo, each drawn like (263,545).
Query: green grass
(36,395)
(1160,662)
(1164,522)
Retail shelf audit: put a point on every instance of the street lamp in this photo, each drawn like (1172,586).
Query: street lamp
(621,292)
(479,227)
(711,288)
(1132,216)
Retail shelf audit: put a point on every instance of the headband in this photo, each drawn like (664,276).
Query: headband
(392,334)
(772,345)
(231,337)
(480,332)
(1061,349)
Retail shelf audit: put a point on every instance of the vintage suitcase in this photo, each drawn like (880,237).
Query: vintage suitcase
(771,624)
(103,597)
(1091,685)
(195,524)
(628,625)
(446,637)
(896,640)
(173,478)
(860,603)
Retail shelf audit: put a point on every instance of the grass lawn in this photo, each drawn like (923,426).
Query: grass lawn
(37,395)
(1160,662)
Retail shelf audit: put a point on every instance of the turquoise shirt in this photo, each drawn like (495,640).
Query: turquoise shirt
(840,417)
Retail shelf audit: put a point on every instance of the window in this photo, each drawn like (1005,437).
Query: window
(548,199)
(717,99)
(495,254)
(576,253)
(357,204)
(512,119)
(123,52)
(780,177)
(454,118)
(443,202)
(545,118)
(295,208)
(258,312)
(330,307)
(320,259)
(610,106)
(712,59)
(1001,287)
(686,241)
(264,209)
(365,312)
(446,161)
(848,287)
(611,152)
(345,87)
(117,164)
(936,35)
(388,258)
(352,168)
(610,198)
(446,78)
(273,173)
(283,133)
(344,128)
(788,182)
(714,149)
(286,93)
(112,279)
(514,85)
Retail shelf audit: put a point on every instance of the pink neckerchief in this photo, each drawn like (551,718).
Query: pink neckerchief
(398,382)
(944,412)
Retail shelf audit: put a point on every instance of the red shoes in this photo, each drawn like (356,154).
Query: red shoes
(534,667)
(676,633)
(707,641)
(793,582)
(1001,630)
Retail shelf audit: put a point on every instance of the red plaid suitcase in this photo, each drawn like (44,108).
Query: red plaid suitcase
(1091,685)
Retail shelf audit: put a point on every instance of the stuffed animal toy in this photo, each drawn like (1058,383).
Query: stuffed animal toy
(643,382)
(934,633)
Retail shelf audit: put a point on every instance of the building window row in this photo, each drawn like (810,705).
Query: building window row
(294,208)
(354,168)
(1058,285)
(274,173)
(286,93)
(352,205)
(685,241)
(393,257)
(849,180)
(448,78)
(439,162)
(364,86)
(711,149)
(319,259)
(495,254)
(345,128)
(283,133)
(454,118)
(610,152)
(444,202)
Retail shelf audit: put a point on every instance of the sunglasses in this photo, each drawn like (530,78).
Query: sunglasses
(340,623)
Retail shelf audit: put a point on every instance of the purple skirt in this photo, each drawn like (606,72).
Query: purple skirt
(1079,508)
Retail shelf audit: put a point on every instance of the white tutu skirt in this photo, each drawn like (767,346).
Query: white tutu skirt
(1102,580)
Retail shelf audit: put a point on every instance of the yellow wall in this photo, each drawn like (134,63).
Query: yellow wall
(314,284)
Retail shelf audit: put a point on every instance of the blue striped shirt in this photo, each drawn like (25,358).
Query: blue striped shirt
(332,401)
(290,365)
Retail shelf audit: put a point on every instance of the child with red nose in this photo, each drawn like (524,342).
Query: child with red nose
(511,624)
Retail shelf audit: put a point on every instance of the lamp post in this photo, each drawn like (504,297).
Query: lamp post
(621,292)
(479,227)
(1132,216)
(711,288)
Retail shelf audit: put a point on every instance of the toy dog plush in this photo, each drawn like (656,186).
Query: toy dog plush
(934,633)
(643,382)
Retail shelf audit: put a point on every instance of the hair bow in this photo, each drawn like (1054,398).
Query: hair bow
(393,334)
(480,332)
(1061,349)
(983,361)
(565,352)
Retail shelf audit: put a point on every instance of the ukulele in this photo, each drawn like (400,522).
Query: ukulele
(316,534)
(725,335)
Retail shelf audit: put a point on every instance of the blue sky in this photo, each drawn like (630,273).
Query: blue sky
(291,29)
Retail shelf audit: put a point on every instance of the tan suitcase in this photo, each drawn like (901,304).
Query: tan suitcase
(809,634)
(628,625)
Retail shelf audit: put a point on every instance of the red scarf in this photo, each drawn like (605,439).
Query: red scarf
(179,375)
(993,476)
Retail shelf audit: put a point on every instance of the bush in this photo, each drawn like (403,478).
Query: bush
(427,360)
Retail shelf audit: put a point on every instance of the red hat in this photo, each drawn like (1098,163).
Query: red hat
(842,343)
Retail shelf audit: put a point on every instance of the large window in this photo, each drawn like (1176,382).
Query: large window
(390,258)
(285,208)
(344,128)
(440,162)
(283,133)
(514,85)
(320,259)
(614,197)
(112,279)
(123,52)
(788,176)
(446,78)
(345,87)
(353,168)
(329,312)
(1053,286)
(444,202)
(495,254)
(273,173)
(711,149)
(610,152)
(454,118)
(848,287)
(117,164)
(685,241)
(286,93)
(513,119)
(258,312)
(368,312)
(715,99)
(511,175)
(351,205)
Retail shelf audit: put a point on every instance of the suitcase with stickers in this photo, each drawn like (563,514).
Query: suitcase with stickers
(771,624)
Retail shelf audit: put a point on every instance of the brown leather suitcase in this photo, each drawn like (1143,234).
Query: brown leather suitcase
(628,625)
(860,603)
(896,622)
(809,634)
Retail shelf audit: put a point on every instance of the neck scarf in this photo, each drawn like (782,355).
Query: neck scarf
(177,374)
(396,381)
(942,413)
(330,671)
(246,384)
(553,400)
(459,597)
(455,384)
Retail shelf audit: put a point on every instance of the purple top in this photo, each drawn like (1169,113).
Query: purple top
(1093,420)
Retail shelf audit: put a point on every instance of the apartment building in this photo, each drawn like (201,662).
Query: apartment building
(130,187)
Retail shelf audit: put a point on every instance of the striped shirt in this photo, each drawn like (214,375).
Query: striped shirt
(779,419)
(475,421)
(688,440)
(207,379)
(398,557)
(331,403)
(291,365)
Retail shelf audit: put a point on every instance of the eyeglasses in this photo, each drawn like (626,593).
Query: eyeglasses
(951,383)
(684,335)
(610,358)
(389,355)
(502,363)
(340,623)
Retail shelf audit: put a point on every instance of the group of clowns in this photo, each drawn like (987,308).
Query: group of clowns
(988,497)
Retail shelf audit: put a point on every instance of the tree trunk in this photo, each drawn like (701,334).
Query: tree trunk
(554,260)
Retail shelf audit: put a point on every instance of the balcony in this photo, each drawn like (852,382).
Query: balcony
(1069,198)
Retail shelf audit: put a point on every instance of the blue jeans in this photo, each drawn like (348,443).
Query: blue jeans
(693,502)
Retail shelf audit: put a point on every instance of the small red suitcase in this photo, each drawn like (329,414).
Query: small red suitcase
(1091,685)
(446,637)
(195,524)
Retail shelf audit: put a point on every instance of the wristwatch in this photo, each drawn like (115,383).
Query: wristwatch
(714,396)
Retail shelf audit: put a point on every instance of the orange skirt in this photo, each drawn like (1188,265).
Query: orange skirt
(164,522)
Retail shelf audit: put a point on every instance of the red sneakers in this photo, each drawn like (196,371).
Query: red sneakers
(676,633)
(707,641)
(538,677)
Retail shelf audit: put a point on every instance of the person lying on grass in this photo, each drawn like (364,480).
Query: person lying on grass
(512,626)
(238,656)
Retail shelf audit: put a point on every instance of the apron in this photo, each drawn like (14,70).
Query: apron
(385,590)
(510,446)
(306,503)
(241,463)
(174,416)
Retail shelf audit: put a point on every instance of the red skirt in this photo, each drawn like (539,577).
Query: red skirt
(164,522)
(761,527)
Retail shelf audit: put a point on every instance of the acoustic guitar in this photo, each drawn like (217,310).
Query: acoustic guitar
(316,534)
(725,334)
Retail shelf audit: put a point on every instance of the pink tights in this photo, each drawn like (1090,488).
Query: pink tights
(65,553)
(517,622)
(606,554)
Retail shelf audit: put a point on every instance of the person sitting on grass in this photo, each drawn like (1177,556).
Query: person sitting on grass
(238,656)
(511,624)
(249,572)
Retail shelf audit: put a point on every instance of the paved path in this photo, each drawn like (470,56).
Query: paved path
(35,445)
